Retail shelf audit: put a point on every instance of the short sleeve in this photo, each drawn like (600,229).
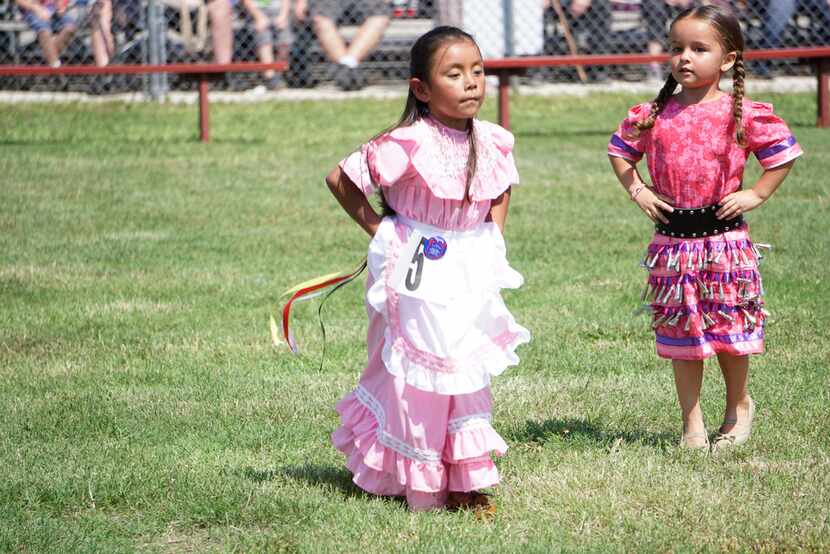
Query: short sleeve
(627,142)
(381,162)
(768,137)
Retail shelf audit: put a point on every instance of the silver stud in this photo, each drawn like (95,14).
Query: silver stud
(704,233)
(683,235)
(694,235)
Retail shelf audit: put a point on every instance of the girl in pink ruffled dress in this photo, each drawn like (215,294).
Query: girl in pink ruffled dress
(704,287)
(418,425)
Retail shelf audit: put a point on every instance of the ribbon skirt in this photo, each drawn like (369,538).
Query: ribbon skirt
(705,295)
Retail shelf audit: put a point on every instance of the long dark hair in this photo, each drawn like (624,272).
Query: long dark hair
(731,40)
(421,62)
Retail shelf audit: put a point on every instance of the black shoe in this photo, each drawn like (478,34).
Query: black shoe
(350,78)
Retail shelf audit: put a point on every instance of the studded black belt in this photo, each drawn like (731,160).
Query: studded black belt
(696,223)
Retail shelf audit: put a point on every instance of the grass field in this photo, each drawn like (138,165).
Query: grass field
(143,408)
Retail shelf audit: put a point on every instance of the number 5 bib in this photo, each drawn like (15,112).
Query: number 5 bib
(426,268)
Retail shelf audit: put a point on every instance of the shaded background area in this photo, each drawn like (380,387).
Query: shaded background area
(174,31)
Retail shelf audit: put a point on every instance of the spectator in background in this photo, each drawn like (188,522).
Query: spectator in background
(99,21)
(324,14)
(55,23)
(220,13)
(777,15)
(657,15)
(589,21)
(272,26)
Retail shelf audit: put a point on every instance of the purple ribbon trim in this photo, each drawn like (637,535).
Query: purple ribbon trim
(709,337)
(776,148)
(620,143)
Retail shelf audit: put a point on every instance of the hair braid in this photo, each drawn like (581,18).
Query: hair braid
(472,160)
(657,105)
(738,74)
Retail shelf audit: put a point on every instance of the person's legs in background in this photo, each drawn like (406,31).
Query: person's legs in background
(103,45)
(324,15)
(221,31)
(776,16)
(264,41)
(656,15)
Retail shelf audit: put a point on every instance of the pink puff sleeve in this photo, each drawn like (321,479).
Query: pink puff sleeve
(768,137)
(381,162)
(626,142)
(507,171)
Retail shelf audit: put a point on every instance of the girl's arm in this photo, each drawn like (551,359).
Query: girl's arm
(498,209)
(652,204)
(353,201)
(736,203)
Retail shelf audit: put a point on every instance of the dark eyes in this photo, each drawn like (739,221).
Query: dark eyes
(677,49)
(456,74)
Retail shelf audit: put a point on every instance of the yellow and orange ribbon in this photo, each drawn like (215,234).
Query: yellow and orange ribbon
(306,291)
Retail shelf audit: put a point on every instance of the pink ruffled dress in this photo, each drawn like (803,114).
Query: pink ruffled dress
(419,422)
(705,292)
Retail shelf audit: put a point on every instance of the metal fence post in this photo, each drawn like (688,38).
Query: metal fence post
(156,26)
(509,27)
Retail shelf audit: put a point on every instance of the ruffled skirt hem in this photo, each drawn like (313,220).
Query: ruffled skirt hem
(388,466)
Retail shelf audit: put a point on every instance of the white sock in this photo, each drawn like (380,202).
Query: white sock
(348,61)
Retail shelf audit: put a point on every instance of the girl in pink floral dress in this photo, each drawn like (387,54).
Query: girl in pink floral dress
(704,288)
(419,422)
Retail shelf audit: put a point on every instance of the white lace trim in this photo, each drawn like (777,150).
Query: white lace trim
(393,443)
(452,150)
(469,422)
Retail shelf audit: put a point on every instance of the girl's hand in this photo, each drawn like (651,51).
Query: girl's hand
(733,205)
(653,205)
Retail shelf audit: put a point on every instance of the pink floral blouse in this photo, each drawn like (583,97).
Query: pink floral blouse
(423,171)
(691,151)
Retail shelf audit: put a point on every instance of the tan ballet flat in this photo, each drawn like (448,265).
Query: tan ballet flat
(739,433)
(686,438)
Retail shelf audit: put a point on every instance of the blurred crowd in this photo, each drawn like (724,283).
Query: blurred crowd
(347,41)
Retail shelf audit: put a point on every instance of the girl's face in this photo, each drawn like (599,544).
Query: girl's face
(697,57)
(455,90)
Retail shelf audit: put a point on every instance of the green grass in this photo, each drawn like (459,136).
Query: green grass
(142,407)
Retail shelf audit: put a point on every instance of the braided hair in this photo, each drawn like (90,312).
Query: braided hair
(731,40)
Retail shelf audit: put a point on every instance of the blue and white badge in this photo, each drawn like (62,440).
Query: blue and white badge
(435,248)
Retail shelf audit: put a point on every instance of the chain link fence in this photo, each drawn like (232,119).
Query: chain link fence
(350,44)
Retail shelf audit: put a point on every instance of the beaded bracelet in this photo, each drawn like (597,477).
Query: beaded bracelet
(636,189)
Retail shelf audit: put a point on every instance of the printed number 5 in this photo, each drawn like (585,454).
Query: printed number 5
(413,282)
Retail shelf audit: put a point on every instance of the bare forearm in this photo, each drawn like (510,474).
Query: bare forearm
(499,208)
(770,180)
(626,172)
(353,201)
